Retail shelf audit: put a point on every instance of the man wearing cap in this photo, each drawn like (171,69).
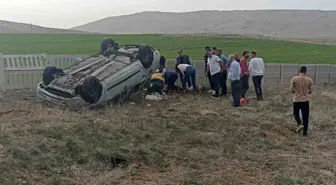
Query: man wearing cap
(207,74)
(182,59)
(215,67)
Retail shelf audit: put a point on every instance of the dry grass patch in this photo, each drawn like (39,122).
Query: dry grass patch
(187,140)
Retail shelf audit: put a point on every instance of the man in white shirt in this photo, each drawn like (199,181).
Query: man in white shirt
(215,67)
(257,71)
(189,75)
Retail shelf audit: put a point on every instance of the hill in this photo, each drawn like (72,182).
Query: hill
(279,23)
(14,27)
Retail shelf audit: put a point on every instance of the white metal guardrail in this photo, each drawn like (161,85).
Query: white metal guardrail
(25,71)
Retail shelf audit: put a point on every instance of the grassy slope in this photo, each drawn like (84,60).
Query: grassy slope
(272,51)
(176,142)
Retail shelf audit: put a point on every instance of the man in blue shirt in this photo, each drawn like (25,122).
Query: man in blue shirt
(170,78)
(223,76)
(234,76)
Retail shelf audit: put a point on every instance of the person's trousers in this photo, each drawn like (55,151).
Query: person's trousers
(215,78)
(223,79)
(210,81)
(257,85)
(236,91)
(304,108)
(156,87)
(244,85)
(171,82)
(190,77)
(188,81)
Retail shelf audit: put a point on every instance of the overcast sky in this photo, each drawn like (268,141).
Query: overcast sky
(70,13)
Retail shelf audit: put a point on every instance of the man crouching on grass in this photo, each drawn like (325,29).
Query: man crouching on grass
(301,87)
(157,83)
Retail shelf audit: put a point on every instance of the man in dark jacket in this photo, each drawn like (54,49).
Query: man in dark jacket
(170,79)
(182,59)
(207,49)
(163,61)
(237,57)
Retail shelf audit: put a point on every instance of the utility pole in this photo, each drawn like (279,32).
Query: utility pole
(205,31)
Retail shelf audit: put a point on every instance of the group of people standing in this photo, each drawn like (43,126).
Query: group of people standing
(219,68)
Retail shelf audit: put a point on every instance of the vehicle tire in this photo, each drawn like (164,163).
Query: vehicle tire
(146,56)
(91,90)
(105,44)
(49,74)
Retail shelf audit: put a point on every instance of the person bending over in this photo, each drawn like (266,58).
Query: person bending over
(189,75)
(301,87)
(170,79)
(182,59)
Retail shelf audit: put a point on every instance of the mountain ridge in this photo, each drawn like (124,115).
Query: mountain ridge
(16,27)
(279,23)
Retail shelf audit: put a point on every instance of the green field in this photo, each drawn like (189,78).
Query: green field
(271,50)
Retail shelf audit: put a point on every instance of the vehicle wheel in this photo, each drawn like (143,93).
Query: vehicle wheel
(49,74)
(91,89)
(105,44)
(146,56)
